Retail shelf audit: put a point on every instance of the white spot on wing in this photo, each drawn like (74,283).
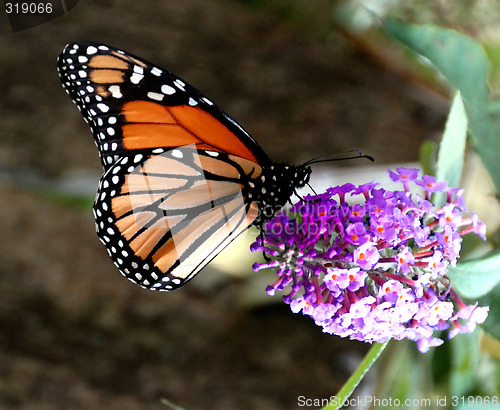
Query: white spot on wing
(136,78)
(115,91)
(103,107)
(179,84)
(177,153)
(155,96)
(166,89)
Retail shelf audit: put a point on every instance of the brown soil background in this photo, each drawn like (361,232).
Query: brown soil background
(74,333)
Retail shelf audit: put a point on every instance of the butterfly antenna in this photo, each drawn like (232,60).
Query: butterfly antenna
(351,154)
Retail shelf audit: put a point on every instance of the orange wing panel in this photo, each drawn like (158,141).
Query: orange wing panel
(106,61)
(106,76)
(141,136)
(210,131)
(146,111)
(151,125)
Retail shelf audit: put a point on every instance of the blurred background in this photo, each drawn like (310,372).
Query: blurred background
(305,79)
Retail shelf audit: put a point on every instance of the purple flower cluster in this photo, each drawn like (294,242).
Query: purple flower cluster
(374,270)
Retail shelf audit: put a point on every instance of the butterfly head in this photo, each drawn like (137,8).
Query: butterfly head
(300,176)
(275,186)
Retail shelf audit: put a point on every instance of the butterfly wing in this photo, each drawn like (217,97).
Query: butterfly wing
(131,105)
(170,213)
(172,195)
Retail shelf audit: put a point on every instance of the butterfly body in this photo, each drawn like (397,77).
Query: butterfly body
(182,179)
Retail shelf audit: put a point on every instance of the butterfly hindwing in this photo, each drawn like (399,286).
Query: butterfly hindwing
(163,215)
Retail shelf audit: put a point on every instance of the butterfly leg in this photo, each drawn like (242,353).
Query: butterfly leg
(261,239)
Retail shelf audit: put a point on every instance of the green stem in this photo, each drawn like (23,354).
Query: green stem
(357,376)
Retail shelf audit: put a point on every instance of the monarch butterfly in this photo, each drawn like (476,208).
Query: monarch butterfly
(181,178)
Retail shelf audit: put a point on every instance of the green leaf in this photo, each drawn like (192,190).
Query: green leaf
(492,323)
(476,277)
(463,62)
(452,148)
(460,58)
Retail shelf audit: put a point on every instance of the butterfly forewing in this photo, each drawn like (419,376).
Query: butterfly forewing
(131,104)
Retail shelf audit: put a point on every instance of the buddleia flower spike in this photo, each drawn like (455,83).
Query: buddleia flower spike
(375,269)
